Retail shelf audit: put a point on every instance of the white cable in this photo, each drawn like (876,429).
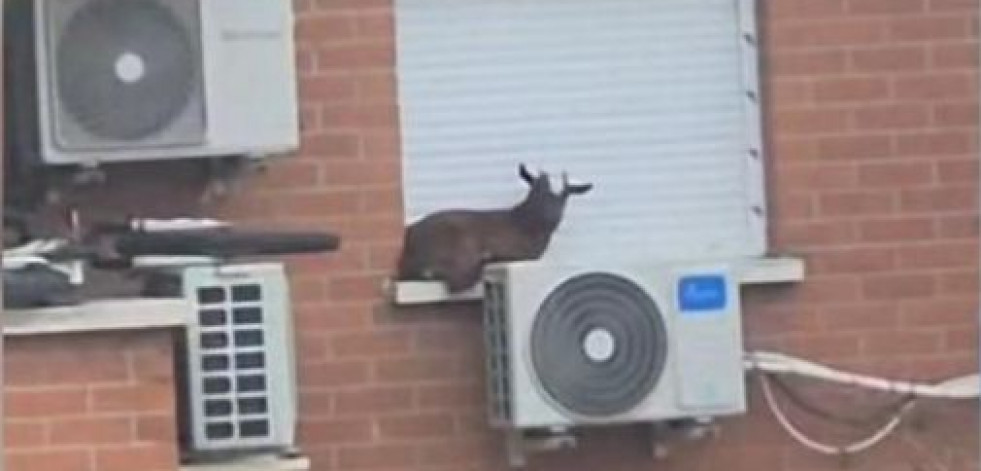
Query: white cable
(964,387)
(824,448)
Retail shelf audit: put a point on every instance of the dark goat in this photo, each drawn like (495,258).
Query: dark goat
(454,245)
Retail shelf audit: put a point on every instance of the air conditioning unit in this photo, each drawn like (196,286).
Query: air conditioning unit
(238,374)
(101,81)
(570,346)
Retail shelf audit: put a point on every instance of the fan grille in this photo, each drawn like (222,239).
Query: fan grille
(127,69)
(598,344)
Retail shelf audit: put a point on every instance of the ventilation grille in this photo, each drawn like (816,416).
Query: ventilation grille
(125,73)
(498,352)
(233,349)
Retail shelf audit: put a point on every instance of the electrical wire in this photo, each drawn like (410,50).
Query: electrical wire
(770,364)
(964,387)
(824,448)
(880,415)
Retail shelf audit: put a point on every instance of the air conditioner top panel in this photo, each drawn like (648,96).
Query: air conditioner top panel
(162,79)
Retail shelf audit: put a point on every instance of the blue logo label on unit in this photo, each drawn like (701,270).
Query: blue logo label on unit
(700,293)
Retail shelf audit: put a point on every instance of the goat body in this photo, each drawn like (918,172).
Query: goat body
(454,245)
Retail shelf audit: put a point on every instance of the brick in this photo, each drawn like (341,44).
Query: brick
(955,114)
(360,116)
(929,28)
(368,344)
(453,453)
(374,400)
(319,316)
(336,373)
(61,460)
(152,365)
(378,87)
(59,402)
(384,256)
(382,200)
(451,396)
(908,342)
(856,203)
(416,368)
(845,32)
(817,233)
(960,283)
(959,227)
(61,369)
(855,147)
(336,431)
(785,91)
(824,347)
(895,174)
(795,9)
(954,55)
(376,23)
(854,260)
(818,177)
(326,28)
(317,404)
(350,5)
(898,286)
(829,290)
(355,287)
(147,397)
(807,63)
(348,174)
(892,116)
(357,56)
(91,431)
(811,121)
(939,312)
(794,150)
(943,198)
(861,89)
(418,426)
(377,457)
(961,170)
(145,457)
(318,203)
(935,86)
(860,317)
(961,339)
(867,7)
(328,88)
(934,144)
(888,59)
(290,175)
(156,428)
(24,434)
(953,5)
(939,255)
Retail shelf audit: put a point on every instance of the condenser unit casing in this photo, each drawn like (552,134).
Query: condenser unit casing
(586,345)
(101,81)
(237,373)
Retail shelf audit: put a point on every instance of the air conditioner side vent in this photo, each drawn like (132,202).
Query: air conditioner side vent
(498,352)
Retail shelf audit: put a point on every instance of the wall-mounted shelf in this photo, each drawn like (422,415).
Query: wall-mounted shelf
(102,315)
(253,463)
(755,271)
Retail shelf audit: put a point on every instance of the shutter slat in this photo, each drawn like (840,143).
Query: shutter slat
(646,99)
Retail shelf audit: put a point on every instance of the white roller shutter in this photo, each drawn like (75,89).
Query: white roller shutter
(654,101)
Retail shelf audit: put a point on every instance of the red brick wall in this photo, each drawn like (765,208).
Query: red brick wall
(89,402)
(872,123)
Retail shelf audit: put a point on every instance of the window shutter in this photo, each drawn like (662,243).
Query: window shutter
(653,101)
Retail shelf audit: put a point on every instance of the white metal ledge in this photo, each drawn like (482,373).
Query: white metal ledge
(253,463)
(102,315)
(756,271)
